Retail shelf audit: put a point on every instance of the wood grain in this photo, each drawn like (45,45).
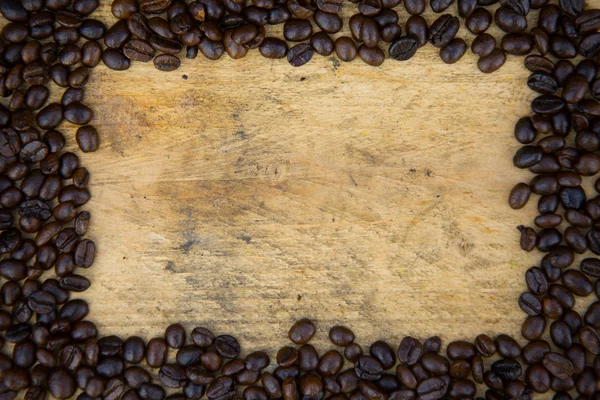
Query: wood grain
(243,195)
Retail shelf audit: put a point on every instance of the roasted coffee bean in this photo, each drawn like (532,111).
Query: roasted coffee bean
(247,377)
(453,51)
(435,363)
(273,48)
(123,9)
(558,365)
(461,350)
(352,352)
(384,353)
(149,391)
(392,32)
(228,346)
(166,62)
(517,43)
(416,26)
(300,54)
(432,389)
(61,383)
(466,7)
(115,59)
(78,114)
(519,196)
(485,345)
(415,7)
(409,351)
(257,361)
(525,132)
(491,62)
(321,43)
(507,346)
(404,48)
(172,376)
(308,358)
(443,30)
(134,350)
(479,21)
(154,6)
(199,376)
(223,388)
(138,50)
(203,337)
(372,56)
(507,369)
(346,49)
(510,21)
(368,368)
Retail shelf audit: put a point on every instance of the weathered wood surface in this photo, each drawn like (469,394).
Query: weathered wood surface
(251,194)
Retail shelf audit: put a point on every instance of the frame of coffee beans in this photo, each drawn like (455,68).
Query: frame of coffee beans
(51,348)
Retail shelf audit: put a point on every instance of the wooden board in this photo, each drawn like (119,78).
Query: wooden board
(243,195)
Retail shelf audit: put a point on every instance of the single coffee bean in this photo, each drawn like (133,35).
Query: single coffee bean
(443,30)
(491,62)
(483,45)
(115,60)
(138,50)
(346,49)
(453,51)
(322,44)
(166,62)
(404,48)
(509,20)
(300,54)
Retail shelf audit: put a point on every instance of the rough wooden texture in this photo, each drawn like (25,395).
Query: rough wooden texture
(248,194)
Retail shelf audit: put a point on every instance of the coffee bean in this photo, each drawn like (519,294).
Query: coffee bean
(228,347)
(453,51)
(416,26)
(368,367)
(485,345)
(415,7)
(149,391)
(115,60)
(166,62)
(346,49)
(273,48)
(330,363)
(87,139)
(404,48)
(308,358)
(432,389)
(443,30)
(172,376)
(41,302)
(257,361)
(558,365)
(156,352)
(436,364)
(223,388)
(507,369)
(61,383)
(409,351)
(373,56)
(507,346)
(478,21)
(299,55)
(492,61)
(460,350)
(123,9)
(203,337)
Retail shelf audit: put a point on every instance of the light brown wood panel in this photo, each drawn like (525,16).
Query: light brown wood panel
(243,195)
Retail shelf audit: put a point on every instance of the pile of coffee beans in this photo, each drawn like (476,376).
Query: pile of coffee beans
(49,347)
